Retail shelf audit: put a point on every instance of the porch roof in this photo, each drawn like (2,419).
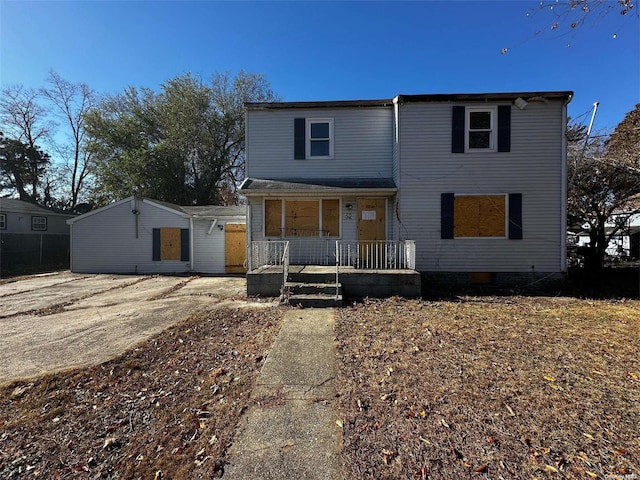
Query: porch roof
(317,186)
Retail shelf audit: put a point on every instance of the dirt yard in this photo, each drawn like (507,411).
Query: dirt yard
(490,387)
(58,321)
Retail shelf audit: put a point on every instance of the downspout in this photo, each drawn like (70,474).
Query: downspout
(248,235)
(193,253)
(71,247)
(563,190)
(396,139)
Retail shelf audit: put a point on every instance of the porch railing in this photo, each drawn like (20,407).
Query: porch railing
(376,255)
(268,254)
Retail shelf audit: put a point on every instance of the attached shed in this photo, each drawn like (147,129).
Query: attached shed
(141,235)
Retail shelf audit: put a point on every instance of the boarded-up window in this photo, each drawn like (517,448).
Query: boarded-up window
(301,218)
(331,218)
(479,216)
(171,244)
(272,218)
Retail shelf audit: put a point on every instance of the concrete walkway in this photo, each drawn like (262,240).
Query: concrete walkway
(290,432)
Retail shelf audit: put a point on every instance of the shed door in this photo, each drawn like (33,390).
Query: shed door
(235,247)
(371,219)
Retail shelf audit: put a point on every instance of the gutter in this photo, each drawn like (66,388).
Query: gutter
(193,253)
(564,189)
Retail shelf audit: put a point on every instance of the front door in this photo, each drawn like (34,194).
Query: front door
(235,247)
(372,232)
(371,219)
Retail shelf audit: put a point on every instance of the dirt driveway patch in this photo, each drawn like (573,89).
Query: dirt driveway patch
(59,321)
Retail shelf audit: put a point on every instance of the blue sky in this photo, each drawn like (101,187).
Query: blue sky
(327,50)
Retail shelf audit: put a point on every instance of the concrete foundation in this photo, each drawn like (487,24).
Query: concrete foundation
(266,282)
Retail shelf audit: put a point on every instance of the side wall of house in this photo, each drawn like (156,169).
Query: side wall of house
(532,167)
(209,248)
(106,242)
(20,222)
(362,144)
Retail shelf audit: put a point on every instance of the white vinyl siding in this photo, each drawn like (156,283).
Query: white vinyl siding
(106,241)
(362,146)
(533,168)
(209,248)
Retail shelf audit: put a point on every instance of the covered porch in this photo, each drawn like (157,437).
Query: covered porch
(350,268)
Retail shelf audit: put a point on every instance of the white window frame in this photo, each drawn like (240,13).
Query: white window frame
(3,221)
(38,228)
(311,121)
(493,130)
(506,215)
(283,210)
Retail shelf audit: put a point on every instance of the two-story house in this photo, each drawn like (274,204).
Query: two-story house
(477,181)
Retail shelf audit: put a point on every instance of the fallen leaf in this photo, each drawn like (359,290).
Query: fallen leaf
(549,378)
(589,436)
(425,440)
(620,451)
(481,469)
(550,469)
(591,474)
(387,456)
(510,410)
(444,423)
(339,423)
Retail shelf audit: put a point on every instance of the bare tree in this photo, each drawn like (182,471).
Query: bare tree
(71,102)
(564,17)
(23,115)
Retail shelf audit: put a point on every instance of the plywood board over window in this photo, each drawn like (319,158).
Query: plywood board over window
(273,218)
(331,217)
(170,243)
(479,216)
(301,218)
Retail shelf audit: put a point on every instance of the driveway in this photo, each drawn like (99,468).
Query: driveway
(58,321)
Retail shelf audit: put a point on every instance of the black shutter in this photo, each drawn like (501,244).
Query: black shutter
(299,140)
(515,216)
(446,215)
(156,245)
(504,128)
(184,244)
(457,130)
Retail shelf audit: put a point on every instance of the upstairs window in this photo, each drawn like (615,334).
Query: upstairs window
(313,138)
(39,223)
(3,221)
(480,131)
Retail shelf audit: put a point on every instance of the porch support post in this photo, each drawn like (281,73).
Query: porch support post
(248,236)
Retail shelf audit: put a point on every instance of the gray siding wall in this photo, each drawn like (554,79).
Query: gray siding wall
(106,242)
(533,167)
(20,222)
(362,148)
(209,249)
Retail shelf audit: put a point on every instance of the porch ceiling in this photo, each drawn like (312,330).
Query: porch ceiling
(358,186)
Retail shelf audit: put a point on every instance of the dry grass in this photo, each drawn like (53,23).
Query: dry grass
(167,409)
(488,387)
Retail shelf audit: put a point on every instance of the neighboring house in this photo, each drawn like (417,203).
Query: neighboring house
(626,244)
(31,236)
(477,181)
(137,235)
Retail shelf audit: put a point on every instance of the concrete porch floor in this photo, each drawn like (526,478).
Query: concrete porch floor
(266,281)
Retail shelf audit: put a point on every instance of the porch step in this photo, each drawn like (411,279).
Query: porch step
(307,275)
(296,288)
(315,300)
